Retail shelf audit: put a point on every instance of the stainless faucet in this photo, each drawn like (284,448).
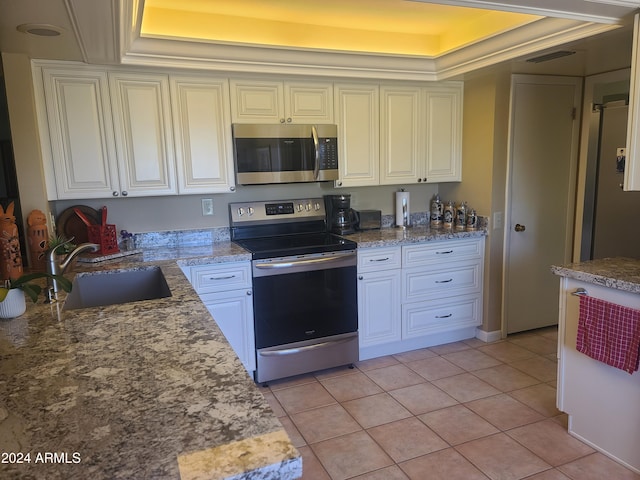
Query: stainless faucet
(58,269)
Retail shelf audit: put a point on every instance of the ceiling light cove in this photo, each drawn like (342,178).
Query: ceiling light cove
(395,27)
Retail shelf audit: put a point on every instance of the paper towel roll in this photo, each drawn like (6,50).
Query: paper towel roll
(403,211)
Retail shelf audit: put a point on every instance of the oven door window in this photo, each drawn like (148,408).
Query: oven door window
(306,305)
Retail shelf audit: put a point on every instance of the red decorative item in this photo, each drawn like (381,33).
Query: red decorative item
(10,256)
(37,236)
(103,235)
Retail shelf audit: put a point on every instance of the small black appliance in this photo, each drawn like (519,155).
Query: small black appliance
(340,218)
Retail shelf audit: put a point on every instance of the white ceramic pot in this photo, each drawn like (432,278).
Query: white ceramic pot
(13,305)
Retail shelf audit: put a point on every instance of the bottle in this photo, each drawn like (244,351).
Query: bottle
(461,216)
(472,220)
(448,215)
(436,211)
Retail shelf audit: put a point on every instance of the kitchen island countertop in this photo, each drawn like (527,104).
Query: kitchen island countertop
(147,389)
(618,273)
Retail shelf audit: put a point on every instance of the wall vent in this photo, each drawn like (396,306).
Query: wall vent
(551,56)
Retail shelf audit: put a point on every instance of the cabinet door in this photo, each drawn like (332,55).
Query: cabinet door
(201,126)
(256,102)
(400,156)
(357,115)
(379,307)
(233,312)
(308,102)
(144,139)
(443,139)
(80,132)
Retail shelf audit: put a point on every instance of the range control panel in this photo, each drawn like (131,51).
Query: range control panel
(277,211)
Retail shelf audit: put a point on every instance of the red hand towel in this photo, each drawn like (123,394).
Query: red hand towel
(609,333)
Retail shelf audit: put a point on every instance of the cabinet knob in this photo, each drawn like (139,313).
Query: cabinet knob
(360,277)
(424,179)
(282,120)
(519,228)
(249,292)
(125,193)
(339,184)
(233,189)
(115,194)
(419,180)
(288,120)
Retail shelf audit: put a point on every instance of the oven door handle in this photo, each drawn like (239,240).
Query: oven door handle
(306,348)
(316,146)
(299,263)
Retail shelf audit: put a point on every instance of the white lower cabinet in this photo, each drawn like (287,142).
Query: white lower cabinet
(379,304)
(226,291)
(419,295)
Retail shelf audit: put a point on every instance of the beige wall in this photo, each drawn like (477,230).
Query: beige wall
(152,214)
(485,124)
(24,135)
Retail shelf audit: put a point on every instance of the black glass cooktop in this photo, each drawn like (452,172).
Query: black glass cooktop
(296,244)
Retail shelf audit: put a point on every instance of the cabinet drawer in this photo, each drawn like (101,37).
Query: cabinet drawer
(425,318)
(374,259)
(221,277)
(453,279)
(439,252)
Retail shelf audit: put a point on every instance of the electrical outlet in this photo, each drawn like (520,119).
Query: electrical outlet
(207,206)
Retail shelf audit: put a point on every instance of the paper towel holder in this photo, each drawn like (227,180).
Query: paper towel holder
(402,211)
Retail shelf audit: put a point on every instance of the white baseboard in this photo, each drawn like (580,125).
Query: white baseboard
(488,336)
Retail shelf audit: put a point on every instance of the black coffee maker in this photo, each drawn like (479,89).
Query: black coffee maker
(340,218)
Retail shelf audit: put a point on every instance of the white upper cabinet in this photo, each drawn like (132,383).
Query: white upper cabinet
(443,133)
(143,133)
(281,102)
(308,102)
(632,160)
(400,135)
(419,134)
(202,131)
(357,115)
(82,149)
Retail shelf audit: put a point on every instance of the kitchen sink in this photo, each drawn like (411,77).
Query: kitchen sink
(115,287)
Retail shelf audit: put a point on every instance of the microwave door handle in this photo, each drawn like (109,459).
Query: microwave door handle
(316,146)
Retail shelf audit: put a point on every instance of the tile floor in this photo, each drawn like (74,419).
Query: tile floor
(466,410)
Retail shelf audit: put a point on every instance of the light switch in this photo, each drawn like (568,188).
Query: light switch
(498,220)
(207,206)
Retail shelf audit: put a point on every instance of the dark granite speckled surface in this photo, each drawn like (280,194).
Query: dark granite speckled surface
(147,389)
(388,237)
(619,273)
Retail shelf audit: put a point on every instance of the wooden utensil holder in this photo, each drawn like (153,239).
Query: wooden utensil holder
(105,236)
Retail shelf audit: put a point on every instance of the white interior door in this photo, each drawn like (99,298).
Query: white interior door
(543,150)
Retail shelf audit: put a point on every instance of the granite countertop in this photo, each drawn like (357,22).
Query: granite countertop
(619,273)
(148,389)
(388,237)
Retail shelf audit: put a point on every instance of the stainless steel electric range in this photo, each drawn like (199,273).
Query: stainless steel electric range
(304,287)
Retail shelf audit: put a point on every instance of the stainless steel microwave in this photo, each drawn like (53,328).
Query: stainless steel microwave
(285,153)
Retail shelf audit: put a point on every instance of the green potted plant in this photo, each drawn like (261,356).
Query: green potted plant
(60,244)
(12,293)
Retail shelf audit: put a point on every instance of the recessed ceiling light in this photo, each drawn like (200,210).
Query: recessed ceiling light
(40,29)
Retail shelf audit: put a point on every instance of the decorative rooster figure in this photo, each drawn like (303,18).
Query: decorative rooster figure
(10,257)
(37,235)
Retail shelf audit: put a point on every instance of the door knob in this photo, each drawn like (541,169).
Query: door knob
(519,228)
